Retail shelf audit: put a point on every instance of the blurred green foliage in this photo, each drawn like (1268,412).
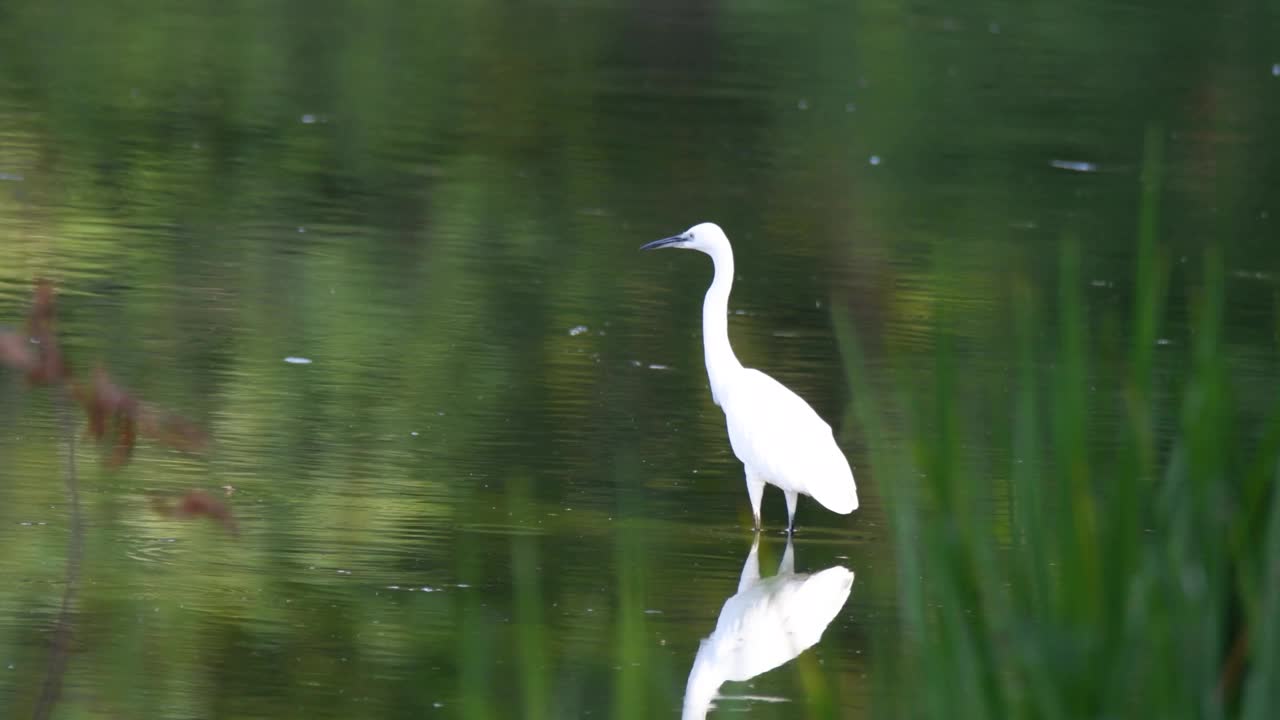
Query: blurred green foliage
(1125,572)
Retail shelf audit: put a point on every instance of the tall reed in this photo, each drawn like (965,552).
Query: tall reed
(1137,570)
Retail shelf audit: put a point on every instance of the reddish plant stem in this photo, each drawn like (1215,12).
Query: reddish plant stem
(60,650)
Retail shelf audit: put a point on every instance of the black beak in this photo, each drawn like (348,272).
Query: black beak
(664,242)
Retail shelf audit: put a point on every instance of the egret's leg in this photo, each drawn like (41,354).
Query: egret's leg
(792,496)
(751,568)
(788,564)
(755,491)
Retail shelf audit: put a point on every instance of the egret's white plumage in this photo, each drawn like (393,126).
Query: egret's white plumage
(779,439)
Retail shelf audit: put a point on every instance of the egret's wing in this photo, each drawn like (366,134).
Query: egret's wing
(778,435)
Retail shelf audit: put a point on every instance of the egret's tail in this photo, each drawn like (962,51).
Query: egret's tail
(840,495)
(843,503)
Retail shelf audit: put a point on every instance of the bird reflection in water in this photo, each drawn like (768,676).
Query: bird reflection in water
(766,623)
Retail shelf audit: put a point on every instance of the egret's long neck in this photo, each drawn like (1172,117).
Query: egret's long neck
(721,362)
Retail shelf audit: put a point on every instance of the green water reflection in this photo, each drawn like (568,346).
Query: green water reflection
(500,487)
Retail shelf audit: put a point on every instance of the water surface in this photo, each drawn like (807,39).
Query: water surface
(500,488)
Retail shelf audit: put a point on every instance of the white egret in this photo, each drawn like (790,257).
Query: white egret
(777,436)
(765,624)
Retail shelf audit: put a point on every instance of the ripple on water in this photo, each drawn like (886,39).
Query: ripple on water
(163,550)
(513,529)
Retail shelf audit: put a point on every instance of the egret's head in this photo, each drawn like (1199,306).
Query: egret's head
(703,236)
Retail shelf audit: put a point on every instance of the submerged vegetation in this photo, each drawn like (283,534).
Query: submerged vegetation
(1137,576)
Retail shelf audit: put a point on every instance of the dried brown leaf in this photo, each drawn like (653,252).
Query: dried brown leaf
(170,429)
(113,413)
(40,319)
(110,409)
(126,438)
(50,366)
(16,352)
(195,504)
